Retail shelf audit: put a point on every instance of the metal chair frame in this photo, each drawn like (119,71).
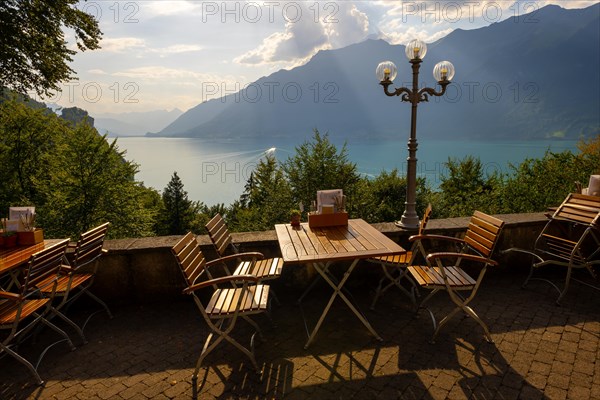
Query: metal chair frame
(570,238)
(246,299)
(42,272)
(395,267)
(446,273)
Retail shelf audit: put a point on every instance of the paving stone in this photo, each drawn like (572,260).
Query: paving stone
(578,392)
(149,352)
(555,393)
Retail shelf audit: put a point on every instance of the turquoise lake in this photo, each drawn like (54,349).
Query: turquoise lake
(216,171)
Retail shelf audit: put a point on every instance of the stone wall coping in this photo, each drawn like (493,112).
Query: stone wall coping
(447,225)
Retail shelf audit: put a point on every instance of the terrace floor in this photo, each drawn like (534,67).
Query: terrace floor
(149,352)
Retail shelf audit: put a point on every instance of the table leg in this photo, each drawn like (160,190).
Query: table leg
(313,283)
(338,292)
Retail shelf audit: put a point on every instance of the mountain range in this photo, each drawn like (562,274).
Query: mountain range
(529,77)
(134,123)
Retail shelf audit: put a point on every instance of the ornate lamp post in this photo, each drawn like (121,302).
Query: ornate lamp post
(386,72)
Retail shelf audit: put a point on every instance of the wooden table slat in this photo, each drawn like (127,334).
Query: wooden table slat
(12,258)
(376,238)
(288,250)
(357,240)
(320,242)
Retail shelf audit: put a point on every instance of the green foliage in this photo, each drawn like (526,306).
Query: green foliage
(317,165)
(34,54)
(90,183)
(76,116)
(28,139)
(180,214)
(536,184)
(590,156)
(74,177)
(532,186)
(266,200)
(465,189)
(382,199)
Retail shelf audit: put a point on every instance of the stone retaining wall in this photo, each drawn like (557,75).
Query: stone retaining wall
(144,270)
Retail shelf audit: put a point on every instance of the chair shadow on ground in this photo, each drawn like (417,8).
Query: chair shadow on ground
(342,375)
(465,365)
(274,381)
(149,342)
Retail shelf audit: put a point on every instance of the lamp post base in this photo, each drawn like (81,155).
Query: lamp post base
(407,225)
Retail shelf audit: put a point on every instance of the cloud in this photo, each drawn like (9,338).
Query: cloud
(408,34)
(122,44)
(141,47)
(158,73)
(437,18)
(180,48)
(308,30)
(569,4)
(172,7)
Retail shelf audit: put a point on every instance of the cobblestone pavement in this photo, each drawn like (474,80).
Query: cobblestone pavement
(541,351)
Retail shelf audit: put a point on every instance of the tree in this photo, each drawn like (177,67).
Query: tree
(76,115)
(382,199)
(267,198)
(180,212)
(90,182)
(536,184)
(28,139)
(34,54)
(74,177)
(465,189)
(317,165)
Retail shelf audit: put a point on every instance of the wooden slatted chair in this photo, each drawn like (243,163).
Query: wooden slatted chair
(394,267)
(265,269)
(570,238)
(77,280)
(23,311)
(226,305)
(477,247)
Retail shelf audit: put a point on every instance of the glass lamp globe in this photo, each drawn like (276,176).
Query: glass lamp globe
(386,71)
(416,49)
(443,71)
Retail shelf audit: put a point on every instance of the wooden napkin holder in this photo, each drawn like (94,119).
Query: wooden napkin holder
(27,238)
(323,220)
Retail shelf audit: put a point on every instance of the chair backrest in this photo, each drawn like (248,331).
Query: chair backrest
(189,257)
(89,246)
(219,234)
(483,232)
(425,219)
(43,264)
(579,208)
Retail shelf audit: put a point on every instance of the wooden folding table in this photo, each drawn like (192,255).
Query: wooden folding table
(323,246)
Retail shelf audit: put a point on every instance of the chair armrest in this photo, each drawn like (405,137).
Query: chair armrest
(247,256)
(436,237)
(471,257)
(9,295)
(223,279)
(518,250)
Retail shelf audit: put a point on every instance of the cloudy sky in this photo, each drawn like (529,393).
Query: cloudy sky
(166,54)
